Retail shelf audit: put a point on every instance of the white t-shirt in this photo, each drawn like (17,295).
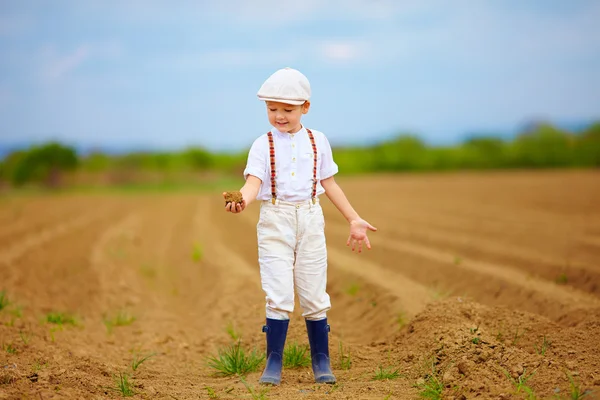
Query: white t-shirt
(293,164)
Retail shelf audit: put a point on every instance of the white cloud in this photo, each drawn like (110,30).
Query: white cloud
(55,66)
(343,51)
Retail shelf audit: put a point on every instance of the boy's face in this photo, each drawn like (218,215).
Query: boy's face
(286,117)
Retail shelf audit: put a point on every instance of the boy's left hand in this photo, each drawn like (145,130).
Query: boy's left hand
(358,234)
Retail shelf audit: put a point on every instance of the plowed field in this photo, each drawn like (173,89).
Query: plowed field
(486,284)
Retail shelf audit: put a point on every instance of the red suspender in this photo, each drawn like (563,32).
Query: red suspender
(314,147)
(272,161)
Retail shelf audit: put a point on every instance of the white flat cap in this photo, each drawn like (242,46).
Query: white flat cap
(286,85)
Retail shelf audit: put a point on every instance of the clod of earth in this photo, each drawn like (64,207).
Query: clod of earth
(235,197)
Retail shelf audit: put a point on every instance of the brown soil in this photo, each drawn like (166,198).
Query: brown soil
(235,197)
(475,281)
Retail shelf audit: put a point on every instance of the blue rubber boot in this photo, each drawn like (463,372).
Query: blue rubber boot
(276,331)
(318,336)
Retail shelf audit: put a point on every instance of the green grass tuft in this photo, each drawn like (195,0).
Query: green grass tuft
(386,374)
(60,318)
(25,337)
(541,350)
(197,253)
(401,319)
(432,385)
(138,360)
(345,359)
(121,318)
(260,395)
(234,360)
(575,390)
(353,289)
(562,279)
(211,393)
(4,302)
(520,384)
(10,349)
(148,270)
(124,385)
(232,332)
(296,356)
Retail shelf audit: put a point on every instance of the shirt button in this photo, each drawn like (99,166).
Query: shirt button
(293,144)
(293,174)
(294,159)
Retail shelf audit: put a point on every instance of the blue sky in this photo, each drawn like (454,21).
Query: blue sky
(169,74)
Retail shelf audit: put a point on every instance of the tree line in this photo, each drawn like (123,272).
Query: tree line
(543,146)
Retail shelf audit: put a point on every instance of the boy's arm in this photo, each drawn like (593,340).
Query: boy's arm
(358,226)
(249,192)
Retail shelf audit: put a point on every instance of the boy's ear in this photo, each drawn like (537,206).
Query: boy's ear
(305,107)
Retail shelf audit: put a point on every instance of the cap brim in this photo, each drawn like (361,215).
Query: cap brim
(286,101)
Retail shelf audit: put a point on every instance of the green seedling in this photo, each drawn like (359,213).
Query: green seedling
(296,356)
(234,360)
(211,393)
(16,311)
(575,389)
(345,359)
(53,330)
(475,340)
(232,332)
(520,384)
(457,260)
(543,346)
(138,360)
(260,395)
(518,337)
(562,279)
(334,387)
(386,374)
(124,385)
(37,366)
(432,385)
(401,319)
(121,318)
(25,337)
(197,253)
(60,318)
(10,349)
(353,289)
(3,300)
(148,271)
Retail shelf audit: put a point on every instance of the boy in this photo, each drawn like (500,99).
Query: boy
(287,169)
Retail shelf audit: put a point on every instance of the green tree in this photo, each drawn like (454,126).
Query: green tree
(198,158)
(545,146)
(43,164)
(587,147)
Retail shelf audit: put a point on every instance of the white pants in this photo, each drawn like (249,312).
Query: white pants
(292,252)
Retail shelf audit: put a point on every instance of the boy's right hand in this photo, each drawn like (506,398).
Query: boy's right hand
(235,207)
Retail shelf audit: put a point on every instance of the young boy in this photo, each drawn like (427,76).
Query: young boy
(287,169)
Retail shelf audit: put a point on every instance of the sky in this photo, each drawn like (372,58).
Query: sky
(172,74)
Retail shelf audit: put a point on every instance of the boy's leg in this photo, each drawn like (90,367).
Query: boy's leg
(276,240)
(311,284)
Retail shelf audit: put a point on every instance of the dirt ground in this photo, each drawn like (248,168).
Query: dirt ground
(487,284)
